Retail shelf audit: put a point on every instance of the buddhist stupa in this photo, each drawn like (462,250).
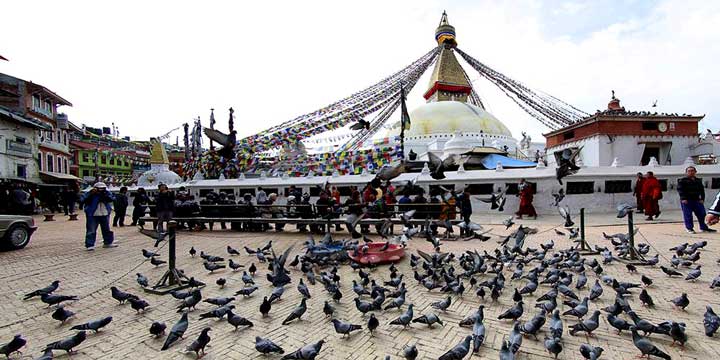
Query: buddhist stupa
(159,172)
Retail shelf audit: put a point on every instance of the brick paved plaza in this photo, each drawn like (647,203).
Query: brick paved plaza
(56,252)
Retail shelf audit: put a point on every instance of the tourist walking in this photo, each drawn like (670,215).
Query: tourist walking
(164,207)
(121,204)
(140,202)
(651,194)
(525,192)
(638,192)
(97,204)
(692,195)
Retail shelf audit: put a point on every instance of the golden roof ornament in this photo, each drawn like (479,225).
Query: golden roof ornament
(158,155)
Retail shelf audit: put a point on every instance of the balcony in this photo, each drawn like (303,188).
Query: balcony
(54,145)
(17,148)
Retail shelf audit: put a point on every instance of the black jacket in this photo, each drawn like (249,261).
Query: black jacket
(715,207)
(691,189)
(165,201)
(121,201)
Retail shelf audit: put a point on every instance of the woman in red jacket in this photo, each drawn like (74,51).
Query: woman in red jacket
(651,194)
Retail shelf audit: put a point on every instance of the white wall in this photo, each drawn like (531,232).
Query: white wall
(9,162)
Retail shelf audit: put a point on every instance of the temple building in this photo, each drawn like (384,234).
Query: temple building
(453,120)
(159,172)
(616,137)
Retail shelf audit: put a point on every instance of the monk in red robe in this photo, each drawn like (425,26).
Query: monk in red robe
(651,194)
(525,191)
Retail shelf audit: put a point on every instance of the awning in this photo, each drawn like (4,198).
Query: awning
(23,120)
(49,176)
(491,161)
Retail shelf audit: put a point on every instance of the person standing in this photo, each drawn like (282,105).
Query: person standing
(261,197)
(651,194)
(121,204)
(97,204)
(69,197)
(140,202)
(525,192)
(638,192)
(692,195)
(465,210)
(164,206)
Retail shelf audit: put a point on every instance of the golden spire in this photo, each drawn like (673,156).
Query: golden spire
(448,81)
(445,33)
(158,155)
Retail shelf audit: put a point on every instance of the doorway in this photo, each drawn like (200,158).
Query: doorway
(650,151)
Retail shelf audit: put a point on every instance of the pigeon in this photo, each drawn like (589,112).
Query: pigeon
(360,124)
(478,334)
(232,251)
(590,352)
(567,165)
(307,352)
(47,355)
(44,291)
(52,299)
(508,223)
(142,280)
(228,142)
(410,352)
(192,251)
(623,209)
(276,294)
(245,292)
(596,291)
(405,318)
(157,328)
(470,320)
(120,295)
(177,331)
(513,313)
(149,254)
(94,325)
(670,272)
(157,262)
(237,320)
(711,321)
(218,313)
(553,346)
(558,197)
(681,301)
(459,351)
(387,173)
(219,301)
(515,338)
(442,305)
(211,266)
(252,269)
(247,279)
(505,353)
(534,325)
(328,309)
(265,307)
(233,265)
(618,323)
(191,301)
(646,299)
(677,333)
(694,274)
(428,319)
(297,313)
(61,314)
(373,323)
(578,311)
(646,280)
(437,166)
(646,347)
(266,346)
(303,289)
(221,282)
(138,304)
(556,325)
(363,306)
(14,345)
(344,328)
(588,325)
(565,213)
(67,344)
(198,346)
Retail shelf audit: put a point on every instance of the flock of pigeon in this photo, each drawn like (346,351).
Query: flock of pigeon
(570,284)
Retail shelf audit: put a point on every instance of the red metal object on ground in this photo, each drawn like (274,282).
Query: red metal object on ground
(394,253)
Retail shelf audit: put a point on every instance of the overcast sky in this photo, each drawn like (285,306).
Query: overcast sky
(149,66)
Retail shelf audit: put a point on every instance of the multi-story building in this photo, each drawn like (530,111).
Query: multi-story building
(39,105)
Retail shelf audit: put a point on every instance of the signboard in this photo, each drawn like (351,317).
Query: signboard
(62,121)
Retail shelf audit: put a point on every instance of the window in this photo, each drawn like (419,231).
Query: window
(20,139)
(67,170)
(568,135)
(36,103)
(85,157)
(663,184)
(649,125)
(40,161)
(85,173)
(21,171)
(47,108)
(103,159)
(480,189)
(715,183)
(65,138)
(50,135)
(618,186)
(59,164)
(580,187)
(50,162)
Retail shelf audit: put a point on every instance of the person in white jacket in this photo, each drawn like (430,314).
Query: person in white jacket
(713,214)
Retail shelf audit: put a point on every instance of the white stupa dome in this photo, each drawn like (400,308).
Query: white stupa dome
(158,174)
(446,117)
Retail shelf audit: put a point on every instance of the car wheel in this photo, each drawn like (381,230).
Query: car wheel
(17,237)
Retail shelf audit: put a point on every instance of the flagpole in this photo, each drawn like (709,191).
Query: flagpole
(404,118)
